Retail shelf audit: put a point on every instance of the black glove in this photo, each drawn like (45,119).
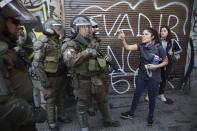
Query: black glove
(108,58)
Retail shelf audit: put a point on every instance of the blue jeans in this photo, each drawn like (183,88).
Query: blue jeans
(152,87)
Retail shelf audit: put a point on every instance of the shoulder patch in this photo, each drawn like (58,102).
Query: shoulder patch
(67,44)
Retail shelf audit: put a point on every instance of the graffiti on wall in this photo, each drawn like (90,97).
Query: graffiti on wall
(123,21)
(39,9)
(42,9)
(31,2)
(122,17)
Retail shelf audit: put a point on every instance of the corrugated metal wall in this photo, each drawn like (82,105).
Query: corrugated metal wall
(133,16)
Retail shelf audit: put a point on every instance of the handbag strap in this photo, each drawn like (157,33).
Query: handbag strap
(172,40)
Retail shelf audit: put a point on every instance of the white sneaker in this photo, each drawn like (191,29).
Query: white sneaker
(146,98)
(162,97)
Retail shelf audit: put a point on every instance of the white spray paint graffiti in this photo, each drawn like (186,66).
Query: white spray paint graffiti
(128,21)
(133,7)
(177,21)
(115,27)
(139,21)
(121,72)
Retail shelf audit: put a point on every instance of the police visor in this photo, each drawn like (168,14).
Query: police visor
(16,10)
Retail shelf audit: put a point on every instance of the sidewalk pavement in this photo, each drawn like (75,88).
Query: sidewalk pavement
(180,116)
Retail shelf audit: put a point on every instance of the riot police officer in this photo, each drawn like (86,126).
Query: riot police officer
(16,113)
(94,38)
(50,69)
(81,56)
(15,60)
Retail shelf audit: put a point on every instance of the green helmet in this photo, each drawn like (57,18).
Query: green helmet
(14,9)
(52,26)
(95,25)
(78,21)
(94,22)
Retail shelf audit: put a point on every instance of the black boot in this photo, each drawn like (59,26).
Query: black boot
(64,119)
(107,120)
(150,121)
(127,115)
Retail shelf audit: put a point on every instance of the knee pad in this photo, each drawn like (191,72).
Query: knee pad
(82,105)
(51,100)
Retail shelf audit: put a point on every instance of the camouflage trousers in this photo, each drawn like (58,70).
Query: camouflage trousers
(55,103)
(91,88)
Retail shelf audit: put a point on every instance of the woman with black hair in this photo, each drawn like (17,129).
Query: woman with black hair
(171,47)
(151,52)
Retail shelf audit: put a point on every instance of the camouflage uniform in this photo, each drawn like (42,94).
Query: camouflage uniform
(80,55)
(15,85)
(20,81)
(48,66)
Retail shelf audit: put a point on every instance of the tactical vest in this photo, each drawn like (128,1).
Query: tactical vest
(98,64)
(81,69)
(91,66)
(52,56)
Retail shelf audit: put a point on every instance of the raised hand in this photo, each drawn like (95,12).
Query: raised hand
(121,35)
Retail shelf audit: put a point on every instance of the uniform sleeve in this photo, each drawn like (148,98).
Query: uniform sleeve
(38,47)
(70,55)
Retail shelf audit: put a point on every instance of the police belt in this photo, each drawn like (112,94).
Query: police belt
(87,77)
(60,72)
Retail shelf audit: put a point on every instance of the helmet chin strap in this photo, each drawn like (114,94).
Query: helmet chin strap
(82,40)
